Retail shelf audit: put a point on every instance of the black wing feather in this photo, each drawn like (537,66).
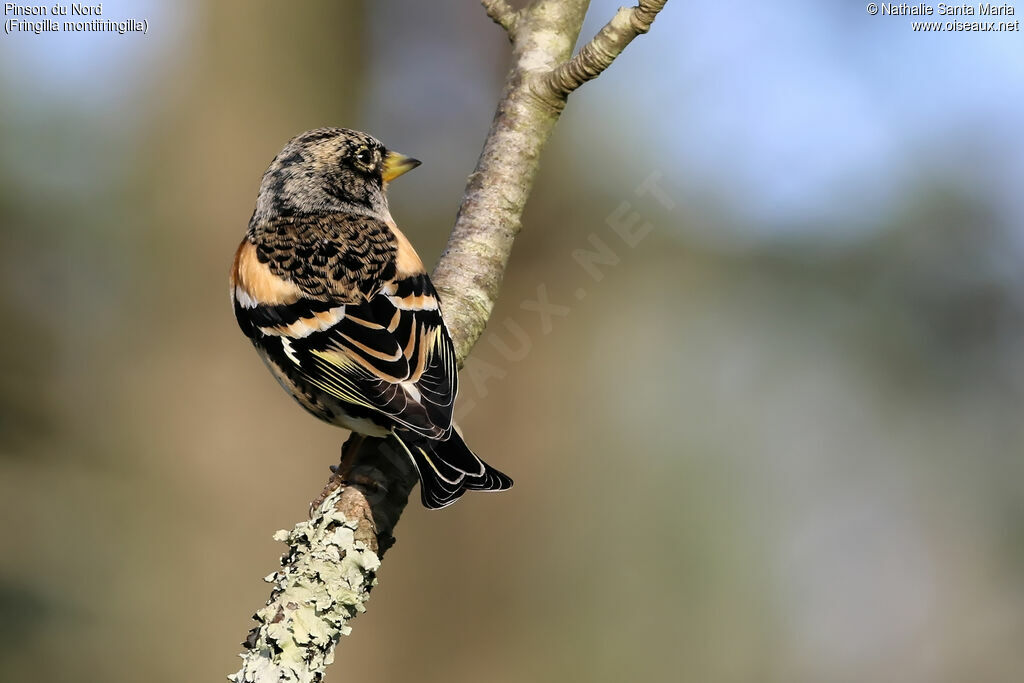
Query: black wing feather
(380,354)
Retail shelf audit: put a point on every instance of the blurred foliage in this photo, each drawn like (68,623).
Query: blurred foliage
(785,458)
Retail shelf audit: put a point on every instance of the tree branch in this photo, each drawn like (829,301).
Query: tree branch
(332,559)
(601,51)
(330,566)
(471,269)
(503,14)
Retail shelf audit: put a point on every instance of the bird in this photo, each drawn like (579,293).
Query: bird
(337,303)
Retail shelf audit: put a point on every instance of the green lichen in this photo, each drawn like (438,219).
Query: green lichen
(325,578)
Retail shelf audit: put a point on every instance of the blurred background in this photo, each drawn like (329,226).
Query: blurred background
(777,438)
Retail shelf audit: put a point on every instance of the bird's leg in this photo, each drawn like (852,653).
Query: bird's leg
(349,453)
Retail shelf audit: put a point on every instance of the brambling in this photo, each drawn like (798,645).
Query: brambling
(338,304)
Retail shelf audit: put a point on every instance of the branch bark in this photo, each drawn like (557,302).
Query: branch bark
(502,14)
(332,559)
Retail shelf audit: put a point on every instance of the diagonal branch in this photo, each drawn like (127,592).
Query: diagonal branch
(601,51)
(332,559)
(471,269)
(329,568)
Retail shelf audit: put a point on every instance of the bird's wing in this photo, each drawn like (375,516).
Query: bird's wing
(386,350)
(390,353)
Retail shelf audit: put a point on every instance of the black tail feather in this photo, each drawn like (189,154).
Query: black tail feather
(448,469)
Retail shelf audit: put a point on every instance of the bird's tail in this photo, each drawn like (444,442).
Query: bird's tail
(448,468)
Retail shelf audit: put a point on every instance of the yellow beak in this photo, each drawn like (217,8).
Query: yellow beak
(396,164)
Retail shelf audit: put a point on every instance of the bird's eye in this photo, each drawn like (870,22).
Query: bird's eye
(364,156)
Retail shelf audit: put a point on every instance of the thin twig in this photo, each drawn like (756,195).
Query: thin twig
(601,51)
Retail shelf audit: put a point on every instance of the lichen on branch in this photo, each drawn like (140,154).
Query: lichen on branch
(324,581)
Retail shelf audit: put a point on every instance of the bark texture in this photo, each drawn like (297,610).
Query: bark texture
(332,559)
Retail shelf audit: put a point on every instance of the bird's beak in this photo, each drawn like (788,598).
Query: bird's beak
(396,164)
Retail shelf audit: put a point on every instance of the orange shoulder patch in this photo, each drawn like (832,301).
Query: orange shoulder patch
(407,261)
(254,283)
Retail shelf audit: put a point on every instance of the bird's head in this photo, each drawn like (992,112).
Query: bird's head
(329,170)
